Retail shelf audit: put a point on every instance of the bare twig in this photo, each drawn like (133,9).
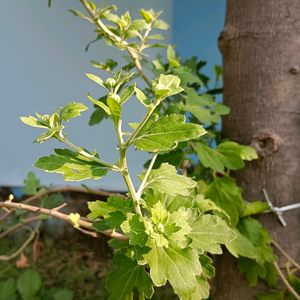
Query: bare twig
(54,213)
(290,259)
(20,224)
(286,283)
(24,245)
(66,189)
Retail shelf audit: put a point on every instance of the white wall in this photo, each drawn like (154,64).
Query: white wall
(42,63)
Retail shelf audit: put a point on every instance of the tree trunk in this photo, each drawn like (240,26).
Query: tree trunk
(260,45)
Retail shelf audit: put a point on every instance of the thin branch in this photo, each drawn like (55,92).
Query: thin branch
(44,193)
(286,283)
(54,213)
(20,224)
(285,254)
(143,183)
(24,245)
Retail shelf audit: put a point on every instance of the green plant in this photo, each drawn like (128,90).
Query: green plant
(186,206)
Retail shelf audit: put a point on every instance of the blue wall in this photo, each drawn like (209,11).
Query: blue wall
(43,62)
(196,27)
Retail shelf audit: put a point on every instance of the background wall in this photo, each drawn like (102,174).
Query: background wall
(42,61)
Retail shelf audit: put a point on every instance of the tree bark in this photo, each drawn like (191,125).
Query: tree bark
(260,45)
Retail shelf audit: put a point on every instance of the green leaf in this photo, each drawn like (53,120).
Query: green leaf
(126,277)
(135,229)
(260,238)
(32,121)
(8,289)
(73,166)
(29,284)
(202,289)
(32,184)
(127,93)
(208,232)
(114,106)
(163,134)
(48,134)
(167,85)
(63,294)
(97,116)
(160,24)
(52,201)
(171,55)
(142,97)
(71,110)
(99,209)
(226,194)
(165,179)
(99,104)
(278,295)
(210,158)
(241,246)
(179,266)
(254,208)
(96,79)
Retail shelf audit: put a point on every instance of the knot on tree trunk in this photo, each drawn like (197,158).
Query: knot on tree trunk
(265,143)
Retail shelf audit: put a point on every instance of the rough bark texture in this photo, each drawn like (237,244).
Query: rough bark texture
(261,53)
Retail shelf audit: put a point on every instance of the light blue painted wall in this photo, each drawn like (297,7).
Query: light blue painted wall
(196,27)
(42,63)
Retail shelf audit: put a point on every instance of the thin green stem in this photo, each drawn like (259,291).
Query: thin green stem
(86,154)
(132,52)
(143,183)
(140,126)
(124,169)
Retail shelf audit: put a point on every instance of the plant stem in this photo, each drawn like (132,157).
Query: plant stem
(143,183)
(132,52)
(140,126)
(124,168)
(59,215)
(285,254)
(86,154)
(286,283)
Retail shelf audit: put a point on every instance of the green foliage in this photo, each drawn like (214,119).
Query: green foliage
(32,184)
(29,286)
(184,209)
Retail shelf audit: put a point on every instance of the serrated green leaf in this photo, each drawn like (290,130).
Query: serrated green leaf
(165,179)
(167,85)
(127,93)
(210,158)
(208,232)
(29,284)
(178,266)
(71,110)
(99,209)
(227,195)
(126,277)
(99,104)
(121,204)
(163,134)
(232,148)
(32,184)
(207,266)
(48,134)
(73,166)
(52,201)
(135,229)
(202,289)
(254,208)
(241,246)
